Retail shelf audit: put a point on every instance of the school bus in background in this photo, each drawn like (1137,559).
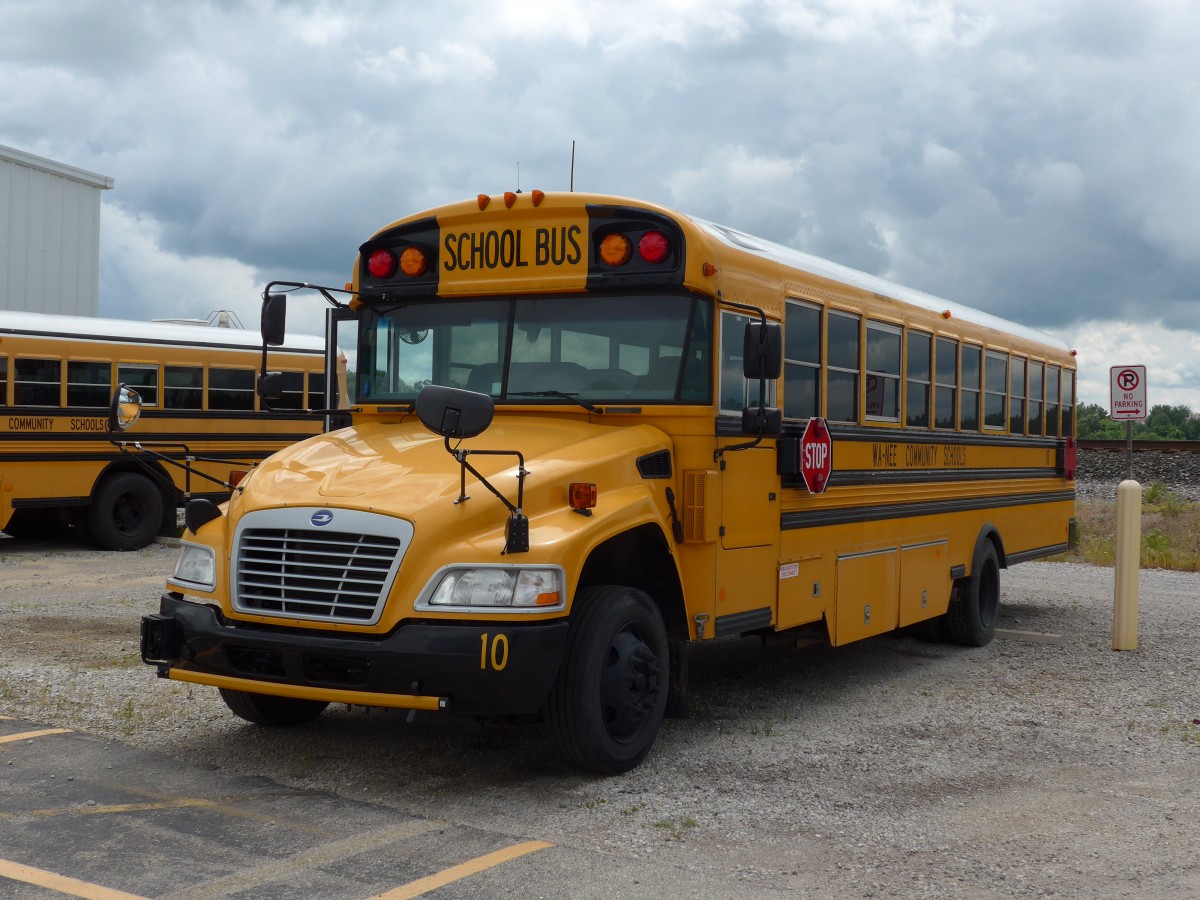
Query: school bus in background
(57,374)
(579,446)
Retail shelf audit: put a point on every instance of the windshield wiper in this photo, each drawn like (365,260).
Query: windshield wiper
(574,398)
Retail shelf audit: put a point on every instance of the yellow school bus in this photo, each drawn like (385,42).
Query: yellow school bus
(589,431)
(197,385)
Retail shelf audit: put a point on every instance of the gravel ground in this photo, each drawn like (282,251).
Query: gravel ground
(888,768)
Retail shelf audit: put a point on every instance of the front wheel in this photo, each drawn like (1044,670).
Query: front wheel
(971,619)
(266,709)
(607,704)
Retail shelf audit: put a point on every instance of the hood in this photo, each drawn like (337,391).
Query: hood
(401,469)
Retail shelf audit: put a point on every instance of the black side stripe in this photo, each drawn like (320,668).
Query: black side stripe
(146,437)
(914,476)
(740,622)
(846,515)
(1037,553)
(230,456)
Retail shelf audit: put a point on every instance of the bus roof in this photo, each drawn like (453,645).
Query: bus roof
(127,330)
(823,268)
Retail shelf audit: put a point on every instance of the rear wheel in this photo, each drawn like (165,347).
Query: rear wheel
(266,709)
(971,619)
(607,704)
(125,512)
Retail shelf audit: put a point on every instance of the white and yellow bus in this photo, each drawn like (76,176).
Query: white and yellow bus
(197,384)
(589,432)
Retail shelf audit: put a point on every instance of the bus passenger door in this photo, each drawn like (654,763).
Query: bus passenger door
(341,349)
(747,561)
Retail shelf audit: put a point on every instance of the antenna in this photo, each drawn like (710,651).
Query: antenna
(572,166)
(518,178)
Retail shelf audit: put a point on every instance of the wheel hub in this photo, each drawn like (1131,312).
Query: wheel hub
(629,685)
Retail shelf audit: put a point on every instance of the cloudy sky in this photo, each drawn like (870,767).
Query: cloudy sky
(1036,159)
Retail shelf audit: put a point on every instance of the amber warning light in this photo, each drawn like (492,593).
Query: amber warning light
(653,247)
(581,495)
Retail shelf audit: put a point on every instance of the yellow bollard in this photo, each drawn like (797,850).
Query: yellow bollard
(1127,564)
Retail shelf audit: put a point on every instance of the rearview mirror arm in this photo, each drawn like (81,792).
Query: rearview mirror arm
(516,532)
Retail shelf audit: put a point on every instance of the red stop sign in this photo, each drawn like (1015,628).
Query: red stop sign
(816,456)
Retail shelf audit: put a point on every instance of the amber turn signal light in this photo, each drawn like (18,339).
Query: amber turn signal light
(581,495)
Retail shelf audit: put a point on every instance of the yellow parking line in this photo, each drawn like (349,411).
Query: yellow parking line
(462,870)
(26,735)
(61,883)
(181,803)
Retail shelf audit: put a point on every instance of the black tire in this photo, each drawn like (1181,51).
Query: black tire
(125,512)
(971,619)
(266,709)
(607,703)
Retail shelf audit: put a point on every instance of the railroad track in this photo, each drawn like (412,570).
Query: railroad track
(1141,446)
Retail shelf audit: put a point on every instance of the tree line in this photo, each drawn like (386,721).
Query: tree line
(1165,423)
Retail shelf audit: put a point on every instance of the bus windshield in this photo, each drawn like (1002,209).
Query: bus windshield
(653,348)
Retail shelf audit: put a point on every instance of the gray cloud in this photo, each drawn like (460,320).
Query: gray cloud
(1034,160)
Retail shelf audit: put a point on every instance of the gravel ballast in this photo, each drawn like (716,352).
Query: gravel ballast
(1044,764)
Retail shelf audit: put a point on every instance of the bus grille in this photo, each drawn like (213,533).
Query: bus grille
(332,576)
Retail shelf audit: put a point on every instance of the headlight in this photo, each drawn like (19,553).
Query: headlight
(196,566)
(534,590)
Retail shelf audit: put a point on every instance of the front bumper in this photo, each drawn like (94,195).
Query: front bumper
(497,668)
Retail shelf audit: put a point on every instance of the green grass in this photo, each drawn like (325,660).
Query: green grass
(1170,531)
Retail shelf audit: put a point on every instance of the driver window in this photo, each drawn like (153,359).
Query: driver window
(736,391)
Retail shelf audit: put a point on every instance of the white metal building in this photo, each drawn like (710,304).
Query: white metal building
(49,235)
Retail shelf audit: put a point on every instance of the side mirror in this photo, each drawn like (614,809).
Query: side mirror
(762,350)
(270,385)
(125,408)
(453,413)
(274,316)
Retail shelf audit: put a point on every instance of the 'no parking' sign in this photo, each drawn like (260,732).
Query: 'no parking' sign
(1128,396)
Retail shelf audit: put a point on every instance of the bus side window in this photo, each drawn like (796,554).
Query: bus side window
(89,383)
(883,372)
(143,379)
(3,381)
(946,391)
(842,353)
(1052,411)
(1016,389)
(995,390)
(802,361)
(918,375)
(36,382)
(1036,369)
(733,384)
(968,419)
(183,387)
(316,391)
(231,389)
(1068,404)
(293,392)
